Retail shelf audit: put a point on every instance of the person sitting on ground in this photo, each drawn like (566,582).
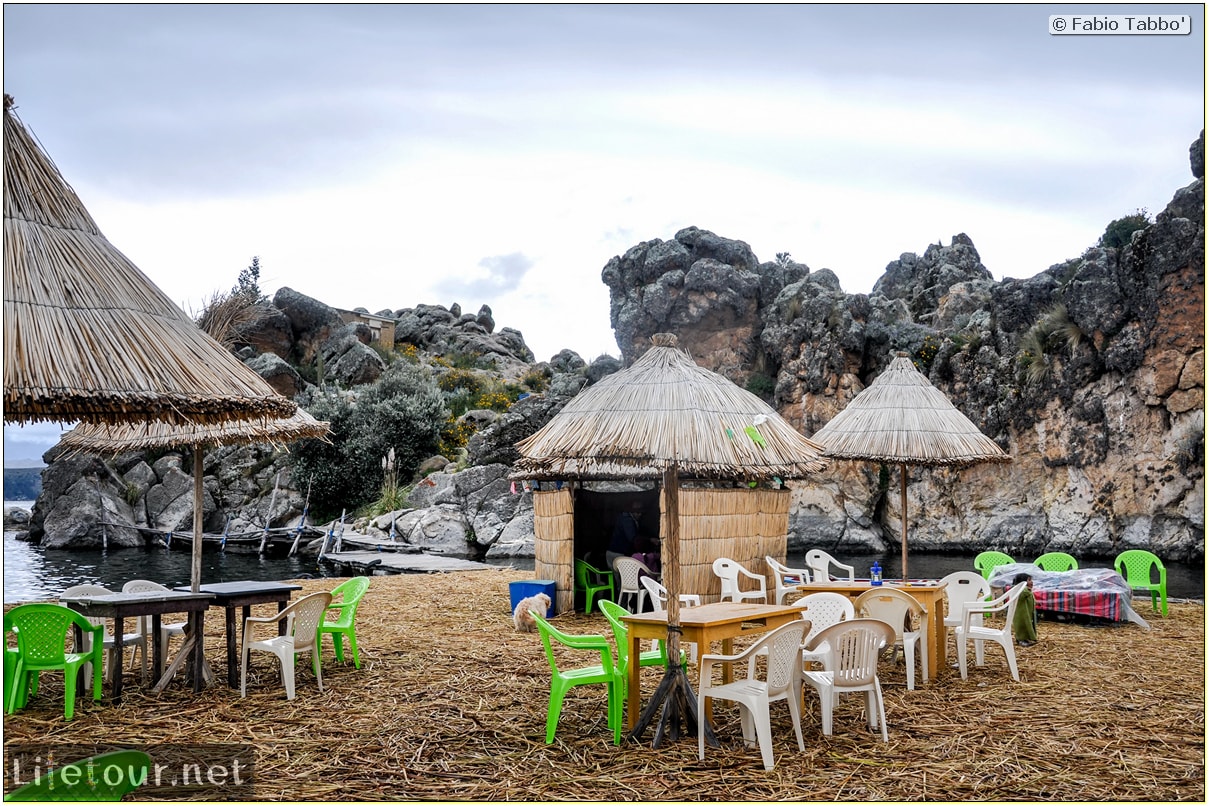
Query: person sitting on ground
(1024,623)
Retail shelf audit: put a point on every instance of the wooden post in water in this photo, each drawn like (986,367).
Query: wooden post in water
(268,518)
(195,569)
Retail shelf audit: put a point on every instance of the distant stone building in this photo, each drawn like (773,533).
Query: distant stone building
(383,327)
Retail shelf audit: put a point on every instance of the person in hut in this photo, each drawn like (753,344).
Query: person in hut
(624,541)
(1024,622)
(648,554)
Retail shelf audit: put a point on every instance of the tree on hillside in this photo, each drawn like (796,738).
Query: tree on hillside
(1118,233)
(248,283)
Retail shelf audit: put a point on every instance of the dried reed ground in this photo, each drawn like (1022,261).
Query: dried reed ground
(450,704)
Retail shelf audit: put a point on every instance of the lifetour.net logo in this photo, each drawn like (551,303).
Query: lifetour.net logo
(73,772)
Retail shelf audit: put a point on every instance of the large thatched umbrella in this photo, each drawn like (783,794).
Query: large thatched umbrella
(902,418)
(114,439)
(662,418)
(87,336)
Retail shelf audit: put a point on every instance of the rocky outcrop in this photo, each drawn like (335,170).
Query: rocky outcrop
(705,288)
(449,332)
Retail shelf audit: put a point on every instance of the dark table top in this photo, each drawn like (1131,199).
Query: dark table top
(147,603)
(221,589)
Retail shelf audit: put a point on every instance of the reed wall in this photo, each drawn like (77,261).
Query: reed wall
(554,543)
(744,525)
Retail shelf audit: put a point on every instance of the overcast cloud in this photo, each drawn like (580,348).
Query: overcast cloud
(383,156)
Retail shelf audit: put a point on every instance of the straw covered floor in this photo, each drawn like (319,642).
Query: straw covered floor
(450,704)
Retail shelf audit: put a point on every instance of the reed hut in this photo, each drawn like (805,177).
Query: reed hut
(900,418)
(87,336)
(730,452)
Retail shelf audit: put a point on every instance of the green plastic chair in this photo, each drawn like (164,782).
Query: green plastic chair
(563,680)
(1136,566)
(988,561)
(341,615)
(42,634)
(1056,561)
(106,777)
(613,612)
(591,580)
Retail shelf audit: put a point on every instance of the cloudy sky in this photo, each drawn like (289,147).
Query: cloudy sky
(382,156)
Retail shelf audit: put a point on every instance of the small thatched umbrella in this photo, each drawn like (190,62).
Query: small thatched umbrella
(663,417)
(114,439)
(902,418)
(87,336)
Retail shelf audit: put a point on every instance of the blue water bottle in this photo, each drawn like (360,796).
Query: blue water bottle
(875,574)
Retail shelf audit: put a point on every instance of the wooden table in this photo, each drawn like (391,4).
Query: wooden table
(231,595)
(929,594)
(119,606)
(721,621)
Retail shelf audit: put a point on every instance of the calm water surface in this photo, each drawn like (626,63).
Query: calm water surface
(32,573)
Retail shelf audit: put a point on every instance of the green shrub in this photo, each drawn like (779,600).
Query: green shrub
(1117,234)
(537,380)
(402,410)
(761,385)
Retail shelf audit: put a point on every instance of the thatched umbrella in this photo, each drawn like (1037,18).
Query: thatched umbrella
(87,336)
(114,439)
(902,418)
(662,418)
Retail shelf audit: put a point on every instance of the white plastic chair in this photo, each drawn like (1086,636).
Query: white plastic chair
(823,610)
(659,596)
(853,649)
(962,587)
(136,640)
(302,619)
(969,630)
(902,612)
(783,681)
(820,562)
(166,630)
(629,570)
(781,573)
(731,572)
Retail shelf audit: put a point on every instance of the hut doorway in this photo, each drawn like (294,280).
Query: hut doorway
(597,513)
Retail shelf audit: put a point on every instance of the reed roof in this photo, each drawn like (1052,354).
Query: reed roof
(665,408)
(104,438)
(87,336)
(902,418)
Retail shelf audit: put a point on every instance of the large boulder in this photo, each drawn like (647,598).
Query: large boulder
(704,288)
(89,515)
(348,359)
(284,379)
(311,322)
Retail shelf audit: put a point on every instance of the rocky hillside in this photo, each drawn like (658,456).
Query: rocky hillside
(1090,374)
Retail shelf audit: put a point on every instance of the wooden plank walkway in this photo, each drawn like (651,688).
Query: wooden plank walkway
(389,562)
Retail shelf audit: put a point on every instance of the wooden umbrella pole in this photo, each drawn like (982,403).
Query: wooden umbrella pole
(675,693)
(195,575)
(671,560)
(903,513)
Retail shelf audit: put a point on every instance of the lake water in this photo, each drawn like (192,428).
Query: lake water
(32,573)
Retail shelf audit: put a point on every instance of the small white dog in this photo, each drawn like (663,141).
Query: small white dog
(521,618)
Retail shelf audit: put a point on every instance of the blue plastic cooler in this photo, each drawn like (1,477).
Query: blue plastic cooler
(532,587)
